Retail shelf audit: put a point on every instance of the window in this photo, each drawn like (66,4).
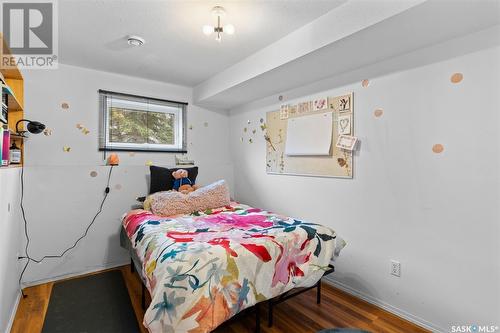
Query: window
(135,123)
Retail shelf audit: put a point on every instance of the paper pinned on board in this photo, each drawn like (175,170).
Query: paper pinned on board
(309,135)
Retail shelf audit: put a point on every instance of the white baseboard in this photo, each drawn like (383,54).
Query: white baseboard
(388,307)
(88,270)
(13,313)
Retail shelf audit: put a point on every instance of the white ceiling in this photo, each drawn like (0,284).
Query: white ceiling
(378,48)
(93,34)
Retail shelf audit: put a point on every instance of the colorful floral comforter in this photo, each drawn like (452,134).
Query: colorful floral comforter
(201,269)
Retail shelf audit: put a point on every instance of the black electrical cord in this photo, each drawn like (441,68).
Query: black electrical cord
(27,256)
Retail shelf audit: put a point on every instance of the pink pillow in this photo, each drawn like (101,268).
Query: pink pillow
(170,203)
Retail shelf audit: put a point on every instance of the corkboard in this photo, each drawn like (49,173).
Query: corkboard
(338,164)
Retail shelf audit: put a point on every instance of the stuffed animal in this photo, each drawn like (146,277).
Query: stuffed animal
(182,183)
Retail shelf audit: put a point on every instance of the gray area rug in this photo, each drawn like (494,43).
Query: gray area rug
(96,303)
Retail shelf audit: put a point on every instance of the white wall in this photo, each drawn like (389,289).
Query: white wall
(438,214)
(10,237)
(60,195)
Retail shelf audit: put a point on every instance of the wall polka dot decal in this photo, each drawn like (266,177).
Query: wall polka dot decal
(148,163)
(280,98)
(93,173)
(245,129)
(261,120)
(378,113)
(365,83)
(250,140)
(66,149)
(457,78)
(83,129)
(64,106)
(437,148)
(205,124)
(118,186)
(191,127)
(254,130)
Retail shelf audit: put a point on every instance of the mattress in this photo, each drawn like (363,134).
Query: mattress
(203,268)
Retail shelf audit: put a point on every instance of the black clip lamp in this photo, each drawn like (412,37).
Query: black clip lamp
(34,127)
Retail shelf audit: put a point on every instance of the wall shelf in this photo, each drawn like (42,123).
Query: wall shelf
(11,166)
(13,85)
(13,103)
(17,136)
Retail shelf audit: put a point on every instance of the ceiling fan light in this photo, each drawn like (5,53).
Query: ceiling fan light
(229,29)
(208,30)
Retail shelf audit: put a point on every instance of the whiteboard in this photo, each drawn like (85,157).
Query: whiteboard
(309,135)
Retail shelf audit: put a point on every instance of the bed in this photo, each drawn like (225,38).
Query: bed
(203,268)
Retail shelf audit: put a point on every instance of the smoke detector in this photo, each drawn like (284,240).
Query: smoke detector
(135,41)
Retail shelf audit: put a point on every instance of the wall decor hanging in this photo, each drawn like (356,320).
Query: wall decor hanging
(283,112)
(378,113)
(293,148)
(437,148)
(346,142)
(304,107)
(320,104)
(344,124)
(457,78)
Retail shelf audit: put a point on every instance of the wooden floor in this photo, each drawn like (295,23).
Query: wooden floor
(300,314)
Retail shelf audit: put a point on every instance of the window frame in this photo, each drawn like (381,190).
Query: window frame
(180,123)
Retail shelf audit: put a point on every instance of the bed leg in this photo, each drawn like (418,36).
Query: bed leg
(257,318)
(270,314)
(143,296)
(318,293)
(132,267)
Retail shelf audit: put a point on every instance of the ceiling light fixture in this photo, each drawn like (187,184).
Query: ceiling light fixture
(218,11)
(135,41)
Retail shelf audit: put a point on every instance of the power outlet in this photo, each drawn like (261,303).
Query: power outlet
(395,268)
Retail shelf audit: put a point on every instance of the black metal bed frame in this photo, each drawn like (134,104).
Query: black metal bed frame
(270,303)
